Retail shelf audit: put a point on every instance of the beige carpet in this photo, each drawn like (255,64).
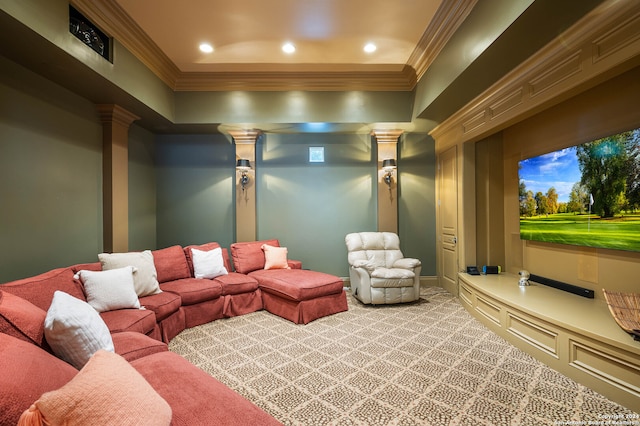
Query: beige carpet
(427,363)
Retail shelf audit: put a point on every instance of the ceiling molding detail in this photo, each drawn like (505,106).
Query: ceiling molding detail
(109,16)
(113,20)
(448,18)
(403,80)
(605,43)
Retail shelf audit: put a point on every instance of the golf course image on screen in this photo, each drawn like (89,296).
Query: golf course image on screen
(586,195)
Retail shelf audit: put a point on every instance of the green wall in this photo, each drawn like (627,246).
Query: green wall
(310,207)
(50,175)
(142,189)
(195,189)
(417,199)
(181,187)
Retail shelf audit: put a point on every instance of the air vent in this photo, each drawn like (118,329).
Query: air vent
(85,31)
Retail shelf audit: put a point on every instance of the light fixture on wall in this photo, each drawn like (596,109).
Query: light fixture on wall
(243,166)
(388,166)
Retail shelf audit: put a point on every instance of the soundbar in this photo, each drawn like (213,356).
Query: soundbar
(580,291)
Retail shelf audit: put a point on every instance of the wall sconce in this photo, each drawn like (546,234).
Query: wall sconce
(243,166)
(388,166)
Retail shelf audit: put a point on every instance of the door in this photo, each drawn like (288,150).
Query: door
(448,220)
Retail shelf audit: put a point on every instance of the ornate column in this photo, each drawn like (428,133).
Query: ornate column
(115,176)
(387,142)
(245,142)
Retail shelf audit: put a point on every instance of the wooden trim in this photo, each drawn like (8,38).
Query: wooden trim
(605,43)
(448,18)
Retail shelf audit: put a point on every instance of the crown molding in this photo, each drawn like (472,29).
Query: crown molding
(373,80)
(604,43)
(448,18)
(111,18)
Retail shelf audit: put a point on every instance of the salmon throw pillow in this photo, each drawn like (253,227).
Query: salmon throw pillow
(108,391)
(275,257)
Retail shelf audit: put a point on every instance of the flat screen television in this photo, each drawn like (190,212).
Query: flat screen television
(585,195)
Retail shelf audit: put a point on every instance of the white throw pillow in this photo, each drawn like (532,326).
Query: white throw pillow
(110,290)
(145,279)
(74,330)
(208,264)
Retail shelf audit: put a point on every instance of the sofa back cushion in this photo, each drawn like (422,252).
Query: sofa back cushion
(39,289)
(27,373)
(171,264)
(21,318)
(206,247)
(249,256)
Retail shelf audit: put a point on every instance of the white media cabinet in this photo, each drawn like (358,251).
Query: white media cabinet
(572,334)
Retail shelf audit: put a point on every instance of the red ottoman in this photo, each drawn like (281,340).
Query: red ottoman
(295,294)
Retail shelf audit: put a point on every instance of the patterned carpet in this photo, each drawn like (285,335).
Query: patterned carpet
(426,363)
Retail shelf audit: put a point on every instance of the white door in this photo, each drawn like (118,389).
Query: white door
(448,220)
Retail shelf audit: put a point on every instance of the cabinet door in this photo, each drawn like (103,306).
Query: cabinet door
(448,220)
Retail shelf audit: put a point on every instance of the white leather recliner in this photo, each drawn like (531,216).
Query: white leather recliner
(378,271)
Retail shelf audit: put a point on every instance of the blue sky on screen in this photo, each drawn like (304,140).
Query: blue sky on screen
(557,169)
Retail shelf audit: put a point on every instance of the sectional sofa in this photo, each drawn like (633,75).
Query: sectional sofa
(69,336)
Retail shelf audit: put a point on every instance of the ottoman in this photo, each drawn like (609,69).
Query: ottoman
(298,295)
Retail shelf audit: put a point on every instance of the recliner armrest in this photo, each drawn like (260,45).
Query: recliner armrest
(363,264)
(406,263)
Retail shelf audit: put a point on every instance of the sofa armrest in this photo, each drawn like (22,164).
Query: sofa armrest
(294,264)
(406,263)
(133,345)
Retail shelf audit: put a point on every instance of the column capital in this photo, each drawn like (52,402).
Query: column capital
(248,136)
(387,135)
(110,113)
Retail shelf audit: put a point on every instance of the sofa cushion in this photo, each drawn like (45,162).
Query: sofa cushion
(275,257)
(109,290)
(163,305)
(74,330)
(206,247)
(93,266)
(145,278)
(202,399)
(171,264)
(39,289)
(138,320)
(131,345)
(26,373)
(236,283)
(249,256)
(107,391)
(21,318)
(297,284)
(208,264)
(193,290)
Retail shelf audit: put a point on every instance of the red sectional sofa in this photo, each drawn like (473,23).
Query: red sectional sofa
(30,367)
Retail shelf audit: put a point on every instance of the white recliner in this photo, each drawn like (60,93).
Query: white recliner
(379,272)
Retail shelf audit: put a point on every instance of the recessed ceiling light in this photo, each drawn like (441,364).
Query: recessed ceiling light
(370,47)
(206,48)
(288,48)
